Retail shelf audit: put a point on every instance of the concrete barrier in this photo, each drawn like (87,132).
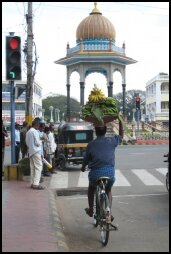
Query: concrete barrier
(13,173)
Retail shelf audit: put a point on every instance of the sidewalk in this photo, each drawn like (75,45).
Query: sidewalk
(30,220)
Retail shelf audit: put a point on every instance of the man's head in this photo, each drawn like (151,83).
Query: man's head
(35,124)
(25,124)
(17,126)
(100,130)
(41,127)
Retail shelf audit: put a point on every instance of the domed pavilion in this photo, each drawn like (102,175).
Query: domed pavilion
(95,51)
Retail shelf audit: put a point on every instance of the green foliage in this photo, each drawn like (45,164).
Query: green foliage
(130,101)
(59,102)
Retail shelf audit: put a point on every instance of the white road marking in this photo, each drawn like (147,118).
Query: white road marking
(146,177)
(59,180)
(120,179)
(163,171)
(83,179)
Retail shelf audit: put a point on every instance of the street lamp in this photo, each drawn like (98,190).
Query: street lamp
(57,111)
(133,124)
(51,114)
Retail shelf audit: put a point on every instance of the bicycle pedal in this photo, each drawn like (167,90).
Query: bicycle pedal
(116,227)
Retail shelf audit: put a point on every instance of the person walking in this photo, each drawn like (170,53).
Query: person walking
(17,142)
(34,145)
(23,139)
(100,158)
(4,134)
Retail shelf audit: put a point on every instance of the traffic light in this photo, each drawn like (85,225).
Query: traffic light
(137,102)
(19,89)
(13,58)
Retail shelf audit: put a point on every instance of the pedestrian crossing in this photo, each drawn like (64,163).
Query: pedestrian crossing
(147,177)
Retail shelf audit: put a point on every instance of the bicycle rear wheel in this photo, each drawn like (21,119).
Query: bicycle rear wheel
(104,226)
(96,211)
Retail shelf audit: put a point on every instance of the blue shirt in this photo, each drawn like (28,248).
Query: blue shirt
(100,152)
(17,136)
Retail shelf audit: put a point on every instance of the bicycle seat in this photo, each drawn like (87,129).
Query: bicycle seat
(102,178)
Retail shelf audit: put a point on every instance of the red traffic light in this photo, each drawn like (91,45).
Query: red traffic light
(14,43)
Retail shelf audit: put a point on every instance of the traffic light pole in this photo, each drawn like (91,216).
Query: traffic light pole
(13,161)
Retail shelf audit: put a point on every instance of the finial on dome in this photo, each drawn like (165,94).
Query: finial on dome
(95,10)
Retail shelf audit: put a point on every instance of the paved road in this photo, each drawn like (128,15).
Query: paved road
(140,204)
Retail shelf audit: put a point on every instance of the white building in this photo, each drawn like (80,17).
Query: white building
(157,98)
(20,104)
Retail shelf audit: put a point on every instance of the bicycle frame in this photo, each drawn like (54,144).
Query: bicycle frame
(102,216)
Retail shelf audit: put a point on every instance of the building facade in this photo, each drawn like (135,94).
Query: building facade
(20,104)
(157,98)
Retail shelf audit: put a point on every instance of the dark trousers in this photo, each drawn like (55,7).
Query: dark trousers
(17,152)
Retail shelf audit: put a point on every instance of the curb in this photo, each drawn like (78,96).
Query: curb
(152,142)
(56,223)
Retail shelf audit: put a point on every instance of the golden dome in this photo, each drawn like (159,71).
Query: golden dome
(95,26)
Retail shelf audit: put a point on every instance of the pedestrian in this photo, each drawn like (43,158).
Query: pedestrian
(4,134)
(54,145)
(100,158)
(45,171)
(49,146)
(34,145)
(17,142)
(23,139)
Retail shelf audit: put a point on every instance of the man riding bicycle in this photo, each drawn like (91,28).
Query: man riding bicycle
(100,158)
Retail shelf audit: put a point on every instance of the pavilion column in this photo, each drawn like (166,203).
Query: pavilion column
(68,100)
(82,92)
(110,89)
(124,105)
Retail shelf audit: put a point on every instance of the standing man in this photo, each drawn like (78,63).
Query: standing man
(4,134)
(23,139)
(34,145)
(17,142)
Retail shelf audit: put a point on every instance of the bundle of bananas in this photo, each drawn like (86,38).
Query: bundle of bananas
(99,106)
(96,95)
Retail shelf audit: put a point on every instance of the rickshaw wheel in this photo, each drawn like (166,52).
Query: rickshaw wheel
(62,164)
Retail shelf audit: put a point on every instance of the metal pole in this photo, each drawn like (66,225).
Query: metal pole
(29,86)
(13,160)
(137,121)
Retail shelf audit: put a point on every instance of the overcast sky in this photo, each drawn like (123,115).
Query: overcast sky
(144,26)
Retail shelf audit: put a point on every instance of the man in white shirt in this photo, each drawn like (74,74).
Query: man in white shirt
(34,145)
(17,142)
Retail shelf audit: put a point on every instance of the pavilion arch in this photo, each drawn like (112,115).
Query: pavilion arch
(95,51)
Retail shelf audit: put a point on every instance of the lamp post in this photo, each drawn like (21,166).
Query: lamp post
(133,124)
(51,114)
(57,111)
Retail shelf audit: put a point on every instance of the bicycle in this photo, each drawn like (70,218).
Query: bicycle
(102,214)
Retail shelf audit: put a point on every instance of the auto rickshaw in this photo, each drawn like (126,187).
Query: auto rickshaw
(73,138)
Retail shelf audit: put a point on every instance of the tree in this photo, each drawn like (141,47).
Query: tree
(130,101)
(59,102)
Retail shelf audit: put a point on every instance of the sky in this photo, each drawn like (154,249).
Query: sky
(143,26)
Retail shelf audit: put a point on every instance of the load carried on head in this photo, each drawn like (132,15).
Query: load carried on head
(99,109)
